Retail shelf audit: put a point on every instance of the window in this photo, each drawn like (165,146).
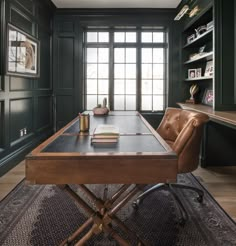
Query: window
(128,67)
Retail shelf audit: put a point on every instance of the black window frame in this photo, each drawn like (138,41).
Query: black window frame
(138,45)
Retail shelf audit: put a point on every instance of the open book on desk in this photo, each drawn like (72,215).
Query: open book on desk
(105,134)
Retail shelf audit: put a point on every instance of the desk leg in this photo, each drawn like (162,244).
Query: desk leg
(103,218)
(77,232)
(110,215)
(100,204)
(104,206)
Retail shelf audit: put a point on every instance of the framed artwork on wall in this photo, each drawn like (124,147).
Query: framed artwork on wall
(22,53)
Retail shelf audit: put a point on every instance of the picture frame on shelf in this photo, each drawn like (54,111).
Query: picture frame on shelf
(209,69)
(192,73)
(208,97)
(198,72)
(190,38)
(22,53)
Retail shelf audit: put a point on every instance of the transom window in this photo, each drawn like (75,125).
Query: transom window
(128,67)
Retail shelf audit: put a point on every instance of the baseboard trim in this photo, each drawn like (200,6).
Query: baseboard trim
(11,160)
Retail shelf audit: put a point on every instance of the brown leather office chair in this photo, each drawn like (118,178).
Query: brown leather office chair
(182,130)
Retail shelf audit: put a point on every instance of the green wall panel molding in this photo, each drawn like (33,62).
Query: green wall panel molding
(224,19)
(26,108)
(13,157)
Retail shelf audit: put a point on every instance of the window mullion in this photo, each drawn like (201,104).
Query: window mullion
(138,72)
(111,71)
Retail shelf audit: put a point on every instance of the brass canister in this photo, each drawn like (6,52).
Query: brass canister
(84,122)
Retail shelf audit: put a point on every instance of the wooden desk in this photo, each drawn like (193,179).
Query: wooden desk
(227,118)
(218,146)
(140,157)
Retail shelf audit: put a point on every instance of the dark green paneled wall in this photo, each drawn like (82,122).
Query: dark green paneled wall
(25,102)
(225,54)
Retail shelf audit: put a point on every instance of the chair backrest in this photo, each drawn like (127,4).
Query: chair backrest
(183,130)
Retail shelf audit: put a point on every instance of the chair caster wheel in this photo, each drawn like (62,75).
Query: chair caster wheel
(200,199)
(135,204)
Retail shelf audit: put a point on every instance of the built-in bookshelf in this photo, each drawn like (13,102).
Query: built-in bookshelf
(198,54)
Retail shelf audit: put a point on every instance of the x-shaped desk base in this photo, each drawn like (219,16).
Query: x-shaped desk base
(101,219)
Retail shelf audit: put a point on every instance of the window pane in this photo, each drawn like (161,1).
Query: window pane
(119,71)
(119,55)
(119,37)
(147,71)
(130,37)
(91,102)
(103,86)
(119,87)
(130,71)
(91,71)
(158,86)
(91,55)
(131,55)
(91,37)
(147,87)
(146,37)
(103,37)
(158,37)
(158,55)
(146,102)
(103,55)
(92,86)
(158,72)
(158,103)
(130,103)
(147,55)
(131,86)
(103,71)
(119,103)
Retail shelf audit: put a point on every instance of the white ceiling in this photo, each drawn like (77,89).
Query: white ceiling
(116,3)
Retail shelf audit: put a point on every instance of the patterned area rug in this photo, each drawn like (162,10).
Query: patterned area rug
(45,215)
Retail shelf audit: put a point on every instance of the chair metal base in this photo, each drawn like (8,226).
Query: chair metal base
(182,211)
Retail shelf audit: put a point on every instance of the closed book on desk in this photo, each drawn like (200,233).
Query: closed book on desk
(106,132)
(104,140)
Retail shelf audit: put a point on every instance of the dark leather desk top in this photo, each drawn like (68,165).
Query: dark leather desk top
(135,143)
(127,124)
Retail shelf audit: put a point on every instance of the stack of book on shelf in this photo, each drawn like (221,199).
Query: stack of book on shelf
(105,134)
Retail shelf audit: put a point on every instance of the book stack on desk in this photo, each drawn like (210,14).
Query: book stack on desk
(105,134)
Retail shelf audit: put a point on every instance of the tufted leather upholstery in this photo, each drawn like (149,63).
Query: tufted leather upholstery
(182,130)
